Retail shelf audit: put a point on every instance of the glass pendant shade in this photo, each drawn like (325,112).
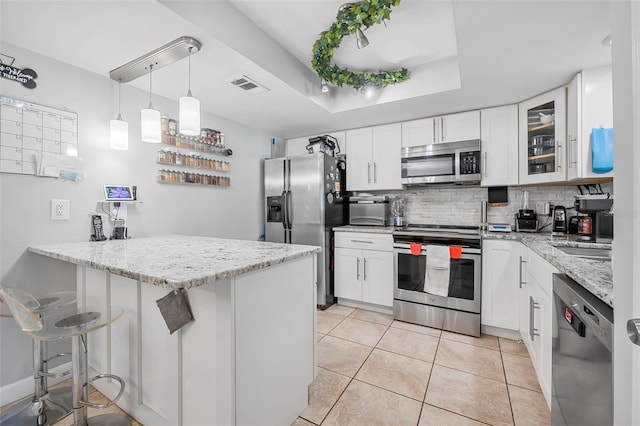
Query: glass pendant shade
(150,125)
(361,40)
(119,134)
(189,116)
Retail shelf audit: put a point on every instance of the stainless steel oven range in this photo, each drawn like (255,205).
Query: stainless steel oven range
(459,311)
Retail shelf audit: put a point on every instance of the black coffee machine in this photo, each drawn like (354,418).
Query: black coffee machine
(595,220)
(559,220)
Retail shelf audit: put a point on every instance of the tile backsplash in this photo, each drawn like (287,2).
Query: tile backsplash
(462,205)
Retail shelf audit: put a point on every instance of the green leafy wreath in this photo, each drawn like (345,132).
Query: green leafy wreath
(348,20)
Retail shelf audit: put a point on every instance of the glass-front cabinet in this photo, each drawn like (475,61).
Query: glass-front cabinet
(542,138)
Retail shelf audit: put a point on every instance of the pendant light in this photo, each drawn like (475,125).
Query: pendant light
(189,112)
(118,128)
(361,40)
(150,119)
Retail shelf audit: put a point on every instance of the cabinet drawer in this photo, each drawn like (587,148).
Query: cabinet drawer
(541,271)
(364,240)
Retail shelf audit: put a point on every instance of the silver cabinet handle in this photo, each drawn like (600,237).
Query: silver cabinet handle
(485,164)
(442,129)
(369,172)
(532,330)
(362,241)
(364,269)
(633,331)
(558,146)
(571,151)
(375,172)
(434,130)
(357,268)
(520,272)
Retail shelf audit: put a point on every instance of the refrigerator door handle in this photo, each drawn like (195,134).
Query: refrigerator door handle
(289,215)
(284,202)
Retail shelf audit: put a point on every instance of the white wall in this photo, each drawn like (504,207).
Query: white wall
(234,212)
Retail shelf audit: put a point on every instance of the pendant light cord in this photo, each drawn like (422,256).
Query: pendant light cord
(119,99)
(150,80)
(189,91)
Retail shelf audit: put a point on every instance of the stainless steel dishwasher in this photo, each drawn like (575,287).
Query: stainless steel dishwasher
(582,385)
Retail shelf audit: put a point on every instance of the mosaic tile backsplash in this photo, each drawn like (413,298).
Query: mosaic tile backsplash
(462,205)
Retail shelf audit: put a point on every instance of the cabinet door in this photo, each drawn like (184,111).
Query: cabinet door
(542,143)
(377,277)
(460,127)
(348,267)
(359,167)
(419,132)
(297,146)
(596,110)
(501,274)
(523,298)
(499,146)
(573,128)
(386,167)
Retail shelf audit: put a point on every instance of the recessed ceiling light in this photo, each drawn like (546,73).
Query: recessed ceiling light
(607,41)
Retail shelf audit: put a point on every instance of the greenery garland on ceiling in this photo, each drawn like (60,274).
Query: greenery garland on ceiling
(348,20)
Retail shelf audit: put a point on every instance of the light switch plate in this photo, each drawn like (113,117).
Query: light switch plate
(59,209)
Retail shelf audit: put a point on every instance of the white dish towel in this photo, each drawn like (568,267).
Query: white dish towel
(437,271)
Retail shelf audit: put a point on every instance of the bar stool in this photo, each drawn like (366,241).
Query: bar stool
(74,323)
(46,406)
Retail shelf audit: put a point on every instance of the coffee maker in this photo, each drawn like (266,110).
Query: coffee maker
(595,220)
(559,220)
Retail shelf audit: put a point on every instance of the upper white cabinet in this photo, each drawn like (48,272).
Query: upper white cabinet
(499,145)
(542,138)
(446,128)
(373,158)
(298,146)
(501,282)
(589,106)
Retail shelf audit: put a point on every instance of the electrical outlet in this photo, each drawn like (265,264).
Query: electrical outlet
(59,209)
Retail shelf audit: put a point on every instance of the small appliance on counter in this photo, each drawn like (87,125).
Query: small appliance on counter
(526,221)
(371,210)
(595,220)
(559,220)
(397,210)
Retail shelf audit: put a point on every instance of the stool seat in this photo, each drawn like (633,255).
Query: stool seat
(46,405)
(75,323)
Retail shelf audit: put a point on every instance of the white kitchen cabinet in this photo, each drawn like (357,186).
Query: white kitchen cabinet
(499,145)
(373,158)
(501,276)
(589,106)
(364,268)
(542,122)
(446,128)
(536,317)
(298,146)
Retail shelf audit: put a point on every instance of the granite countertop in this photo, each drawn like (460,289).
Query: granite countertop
(365,229)
(595,276)
(175,261)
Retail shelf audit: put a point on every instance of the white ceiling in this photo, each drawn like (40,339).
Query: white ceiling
(498,51)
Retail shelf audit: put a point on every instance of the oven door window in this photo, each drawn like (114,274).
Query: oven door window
(436,165)
(411,273)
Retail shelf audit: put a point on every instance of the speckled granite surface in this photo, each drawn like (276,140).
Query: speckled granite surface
(595,276)
(175,261)
(365,229)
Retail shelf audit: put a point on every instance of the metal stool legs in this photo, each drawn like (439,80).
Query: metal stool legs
(46,406)
(80,389)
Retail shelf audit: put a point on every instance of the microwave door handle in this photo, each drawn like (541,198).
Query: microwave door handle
(434,130)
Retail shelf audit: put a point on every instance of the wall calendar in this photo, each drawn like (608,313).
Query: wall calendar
(27,129)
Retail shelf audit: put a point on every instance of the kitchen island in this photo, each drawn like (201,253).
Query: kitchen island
(248,357)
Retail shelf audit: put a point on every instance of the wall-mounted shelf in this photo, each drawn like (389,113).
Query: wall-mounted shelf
(179,176)
(176,158)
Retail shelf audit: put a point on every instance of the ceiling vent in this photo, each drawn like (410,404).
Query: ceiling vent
(248,85)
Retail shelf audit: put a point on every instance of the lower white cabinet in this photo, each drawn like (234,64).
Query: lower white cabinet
(364,267)
(501,277)
(536,316)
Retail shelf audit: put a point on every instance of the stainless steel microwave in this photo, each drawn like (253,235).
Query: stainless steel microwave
(451,162)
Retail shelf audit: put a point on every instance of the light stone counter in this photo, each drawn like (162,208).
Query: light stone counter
(175,261)
(365,229)
(595,276)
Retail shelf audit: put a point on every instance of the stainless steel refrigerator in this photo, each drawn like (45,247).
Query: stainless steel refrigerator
(305,199)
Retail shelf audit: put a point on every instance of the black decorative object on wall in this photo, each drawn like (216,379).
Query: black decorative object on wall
(24,76)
